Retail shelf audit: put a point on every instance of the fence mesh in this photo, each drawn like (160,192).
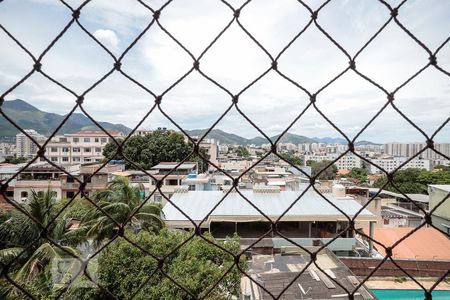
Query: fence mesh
(235,13)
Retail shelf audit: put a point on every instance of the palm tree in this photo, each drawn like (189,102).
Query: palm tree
(120,200)
(19,232)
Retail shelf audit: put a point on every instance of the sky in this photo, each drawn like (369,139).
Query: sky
(235,61)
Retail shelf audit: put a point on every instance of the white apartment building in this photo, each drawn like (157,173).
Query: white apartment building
(411,149)
(25,147)
(81,147)
(349,162)
(391,164)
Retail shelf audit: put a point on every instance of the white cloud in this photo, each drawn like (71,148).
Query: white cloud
(107,37)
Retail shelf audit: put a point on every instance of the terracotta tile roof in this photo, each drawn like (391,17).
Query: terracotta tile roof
(425,243)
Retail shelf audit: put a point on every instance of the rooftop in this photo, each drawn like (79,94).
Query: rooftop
(444,187)
(95,133)
(234,208)
(276,272)
(425,243)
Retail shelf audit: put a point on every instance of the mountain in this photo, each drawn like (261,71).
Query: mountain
(29,117)
(330,140)
(360,143)
(229,138)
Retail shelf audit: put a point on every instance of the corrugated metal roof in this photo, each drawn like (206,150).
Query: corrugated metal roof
(197,204)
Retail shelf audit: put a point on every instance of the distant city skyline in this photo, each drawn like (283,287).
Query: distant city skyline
(234,61)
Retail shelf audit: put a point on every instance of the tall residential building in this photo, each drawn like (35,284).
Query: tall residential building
(81,147)
(411,149)
(25,147)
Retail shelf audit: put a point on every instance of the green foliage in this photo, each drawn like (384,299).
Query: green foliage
(242,152)
(119,200)
(414,181)
(328,173)
(151,149)
(15,160)
(197,266)
(259,153)
(399,279)
(22,240)
(359,174)
(290,157)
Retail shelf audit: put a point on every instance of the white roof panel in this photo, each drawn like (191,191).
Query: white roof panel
(198,204)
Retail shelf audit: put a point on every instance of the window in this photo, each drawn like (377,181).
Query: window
(76,149)
(87,140)
(53,149)
(70,179)
(24,194)
(65,149)
(9,193)
(87,159)
(192,187)
(54,159)
(76,140)
(40,194)
(75,159)
(65,159)
(87,149)
(63,140)
(98,149)
(104,140)
(172,181)
(70,194)
(96,140)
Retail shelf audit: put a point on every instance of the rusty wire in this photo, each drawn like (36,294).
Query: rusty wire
(157,20)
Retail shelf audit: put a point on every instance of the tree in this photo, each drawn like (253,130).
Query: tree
(295,160)
(32,266)
(155,147)
(242,152)
(360,174)
(329,173)
(119,200)
(197,265)
(414,181)
(15,160)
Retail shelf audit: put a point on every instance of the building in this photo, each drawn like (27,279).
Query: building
(348,162)
(79,148)
(426,243)
(291,272)
(441,214)
(42,176)
(309,217)
(411,149)
(391,164)
(6,150)
(25,147)
(174,178)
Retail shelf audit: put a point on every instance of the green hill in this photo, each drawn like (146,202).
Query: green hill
(29,117)
(233,139)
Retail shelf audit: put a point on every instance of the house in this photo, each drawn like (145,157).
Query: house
(224,213)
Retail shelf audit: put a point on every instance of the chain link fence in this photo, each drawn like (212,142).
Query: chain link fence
(235,14)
